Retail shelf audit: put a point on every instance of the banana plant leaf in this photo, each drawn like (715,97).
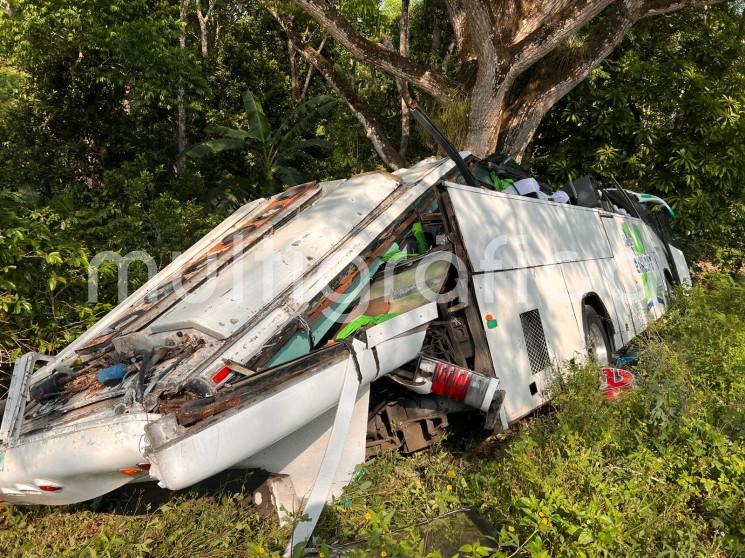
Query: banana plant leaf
(258,125)
(212,147)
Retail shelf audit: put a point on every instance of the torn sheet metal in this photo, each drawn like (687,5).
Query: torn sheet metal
(197,349)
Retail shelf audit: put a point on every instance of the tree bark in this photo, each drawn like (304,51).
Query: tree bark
(374,132)
(461,31)
(309,75)
(294,78)
(550,31)
(505,40)
(204,20)
(403,49)
(486,104)
(180,99)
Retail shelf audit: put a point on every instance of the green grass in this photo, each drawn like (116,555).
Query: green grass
(659,472)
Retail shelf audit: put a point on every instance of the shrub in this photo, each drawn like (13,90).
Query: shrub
(659,471)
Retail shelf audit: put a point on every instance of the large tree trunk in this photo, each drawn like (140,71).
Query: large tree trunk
(526,53)
(484,112)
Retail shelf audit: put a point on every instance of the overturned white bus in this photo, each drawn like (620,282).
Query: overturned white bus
(340,319)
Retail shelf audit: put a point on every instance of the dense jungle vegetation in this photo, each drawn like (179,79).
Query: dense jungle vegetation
(91,92)
(123,128)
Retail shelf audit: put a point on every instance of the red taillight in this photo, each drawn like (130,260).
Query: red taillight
(450,381)
(138,469)
(49,487)
(220,375)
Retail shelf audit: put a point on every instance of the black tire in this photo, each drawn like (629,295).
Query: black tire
(597,340)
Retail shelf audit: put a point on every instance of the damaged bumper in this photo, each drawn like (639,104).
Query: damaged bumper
(76,462)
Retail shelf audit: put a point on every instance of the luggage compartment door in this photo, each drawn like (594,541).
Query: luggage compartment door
(531,327)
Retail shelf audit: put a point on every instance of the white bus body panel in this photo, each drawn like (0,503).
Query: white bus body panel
(83,457)
(502,231)
(535,255)
(299,454)
(508,294)
(221,306)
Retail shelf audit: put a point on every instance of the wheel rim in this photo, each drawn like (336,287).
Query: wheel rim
(596,344)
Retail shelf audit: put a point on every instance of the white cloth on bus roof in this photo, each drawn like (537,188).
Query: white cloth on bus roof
(523,187)
(559,197)
(528,186)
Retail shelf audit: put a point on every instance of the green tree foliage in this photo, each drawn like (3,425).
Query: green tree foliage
(87,145)
(43,272)
(100,89)
(666,115)
(89,98)
(275,155)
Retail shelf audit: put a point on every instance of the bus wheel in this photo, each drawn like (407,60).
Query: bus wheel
(596,336)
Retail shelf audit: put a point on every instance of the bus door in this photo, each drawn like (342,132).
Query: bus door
(631,277)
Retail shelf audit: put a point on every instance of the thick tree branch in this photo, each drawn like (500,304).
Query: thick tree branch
(463,44)
(553,77)
(483,29)
(204,20)
(521,18)
(375,54)
(383,146)
(661,7)
(562,25)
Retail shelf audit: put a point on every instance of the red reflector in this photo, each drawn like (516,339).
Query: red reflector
(221,375)
(451,381)
(50,488)
(144,466)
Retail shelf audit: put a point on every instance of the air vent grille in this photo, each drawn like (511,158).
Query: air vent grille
(535,341)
